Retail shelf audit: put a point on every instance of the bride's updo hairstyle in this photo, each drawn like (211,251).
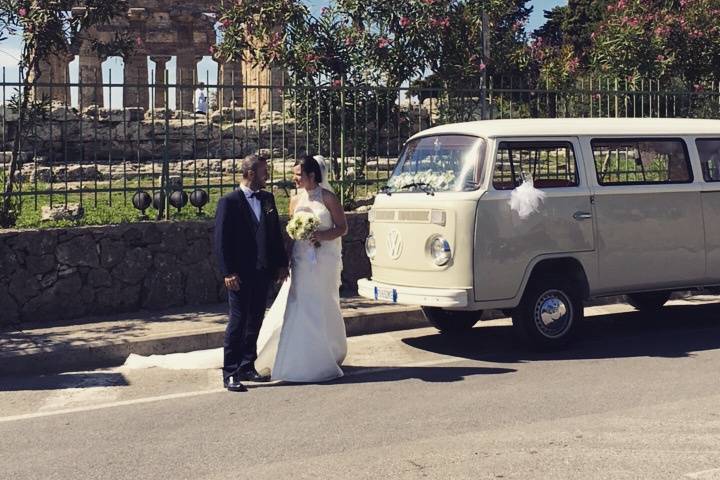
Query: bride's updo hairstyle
(309,165)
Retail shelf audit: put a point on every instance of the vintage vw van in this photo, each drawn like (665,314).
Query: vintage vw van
(632,206)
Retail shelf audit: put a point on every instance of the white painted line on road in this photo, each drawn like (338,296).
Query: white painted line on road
(705,474)
(173,396)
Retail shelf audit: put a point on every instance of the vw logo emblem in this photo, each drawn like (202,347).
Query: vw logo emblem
(394,244)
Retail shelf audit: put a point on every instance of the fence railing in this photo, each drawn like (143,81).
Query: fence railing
(151,155)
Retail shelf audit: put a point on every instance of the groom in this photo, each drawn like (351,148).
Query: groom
(251,255)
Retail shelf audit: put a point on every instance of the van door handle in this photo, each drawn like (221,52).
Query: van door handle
(582,215)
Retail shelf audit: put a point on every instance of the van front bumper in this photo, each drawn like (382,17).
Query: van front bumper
(427,297)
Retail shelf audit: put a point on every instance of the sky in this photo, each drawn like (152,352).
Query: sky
(207,69)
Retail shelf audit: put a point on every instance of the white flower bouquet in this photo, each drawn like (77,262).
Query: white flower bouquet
(302,225)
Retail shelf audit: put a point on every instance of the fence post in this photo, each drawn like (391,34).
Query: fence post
(165,182)
(342,141)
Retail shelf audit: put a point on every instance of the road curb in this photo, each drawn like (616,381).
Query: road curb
(111,353)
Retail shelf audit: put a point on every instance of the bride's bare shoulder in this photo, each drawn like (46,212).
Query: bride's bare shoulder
(329,196)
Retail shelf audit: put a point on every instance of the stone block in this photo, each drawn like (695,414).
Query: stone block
(37,265)
(9,312)
(9,261)
(230,114)
(163,289)
(23,286)
(39,242)
(134,266)
(118,298)
(111,252)
(65,299)
(99,277)
(72,212)
(200,286)
(79,251)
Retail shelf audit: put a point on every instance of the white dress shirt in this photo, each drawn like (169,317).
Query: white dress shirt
(254,201)
(200,101)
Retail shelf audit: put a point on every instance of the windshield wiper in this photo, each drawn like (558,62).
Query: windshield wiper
(425,187)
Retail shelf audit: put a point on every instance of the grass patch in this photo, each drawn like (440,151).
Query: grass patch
(116,208)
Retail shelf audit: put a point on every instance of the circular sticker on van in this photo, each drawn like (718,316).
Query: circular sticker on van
(394,244)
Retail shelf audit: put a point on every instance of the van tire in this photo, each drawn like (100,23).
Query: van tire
(451,321)
(648,301)
(544,293)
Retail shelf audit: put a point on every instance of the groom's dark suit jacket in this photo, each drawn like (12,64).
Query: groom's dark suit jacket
(235,235)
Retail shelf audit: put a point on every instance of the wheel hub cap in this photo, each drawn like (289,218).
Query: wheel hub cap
(553,315)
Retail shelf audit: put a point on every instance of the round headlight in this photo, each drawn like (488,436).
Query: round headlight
(370,248)
(440,251)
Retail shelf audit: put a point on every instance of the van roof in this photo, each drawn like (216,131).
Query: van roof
(549,127)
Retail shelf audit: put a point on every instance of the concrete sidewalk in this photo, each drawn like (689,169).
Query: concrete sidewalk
(107,341)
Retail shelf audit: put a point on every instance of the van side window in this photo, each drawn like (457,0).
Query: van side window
(551,164)
(709,151)
(641,161)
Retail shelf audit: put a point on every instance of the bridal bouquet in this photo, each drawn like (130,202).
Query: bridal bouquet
(302,225)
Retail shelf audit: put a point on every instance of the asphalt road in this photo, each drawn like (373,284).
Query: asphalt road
(634,398)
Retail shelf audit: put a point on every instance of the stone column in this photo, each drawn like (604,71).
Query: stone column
(186,79)
(91,92)
(159,88)
(55,70)
(231,79)
(135,88)
(264,95)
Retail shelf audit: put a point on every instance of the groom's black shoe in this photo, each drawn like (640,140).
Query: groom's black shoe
(252,375)
(233,384)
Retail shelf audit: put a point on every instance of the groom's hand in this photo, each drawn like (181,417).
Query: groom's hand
(232,283)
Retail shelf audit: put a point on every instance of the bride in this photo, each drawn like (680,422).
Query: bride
(302,338)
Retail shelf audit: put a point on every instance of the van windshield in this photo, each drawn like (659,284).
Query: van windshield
(442,163)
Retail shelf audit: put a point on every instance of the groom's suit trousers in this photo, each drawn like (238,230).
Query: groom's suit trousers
(247,309)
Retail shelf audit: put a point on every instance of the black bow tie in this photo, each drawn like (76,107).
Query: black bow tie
(254,195)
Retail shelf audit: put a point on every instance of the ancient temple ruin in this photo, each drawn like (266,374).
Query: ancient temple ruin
(162,29)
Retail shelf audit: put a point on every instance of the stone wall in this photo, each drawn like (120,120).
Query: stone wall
(57,274)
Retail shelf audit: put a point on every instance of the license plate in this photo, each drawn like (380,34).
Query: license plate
(386,294)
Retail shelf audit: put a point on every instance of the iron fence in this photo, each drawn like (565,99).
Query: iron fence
(151,155)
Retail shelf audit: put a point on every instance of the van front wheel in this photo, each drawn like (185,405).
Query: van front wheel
(450,321)
(649,301)
(549,313)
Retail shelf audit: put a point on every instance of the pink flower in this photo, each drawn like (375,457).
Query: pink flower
(311,57)
(481,66)
(404,21)
(698,87)
(573,64)
(440,22)
(660,58)
(22,12)
(383,42)
(348,41)
(337,83)
(138,41)
(225,22)
(213,49)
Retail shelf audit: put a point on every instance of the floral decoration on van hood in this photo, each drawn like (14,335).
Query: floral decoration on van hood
(436,180)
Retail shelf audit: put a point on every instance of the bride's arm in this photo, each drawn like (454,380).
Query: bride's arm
(291,211)
(338,216)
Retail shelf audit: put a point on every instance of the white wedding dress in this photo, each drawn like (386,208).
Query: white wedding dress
(303,338)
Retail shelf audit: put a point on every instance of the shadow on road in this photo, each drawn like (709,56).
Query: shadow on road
(436,374)
(62,381)
(674,332)
(357,374)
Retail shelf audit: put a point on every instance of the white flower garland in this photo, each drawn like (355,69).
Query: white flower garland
(437,180)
